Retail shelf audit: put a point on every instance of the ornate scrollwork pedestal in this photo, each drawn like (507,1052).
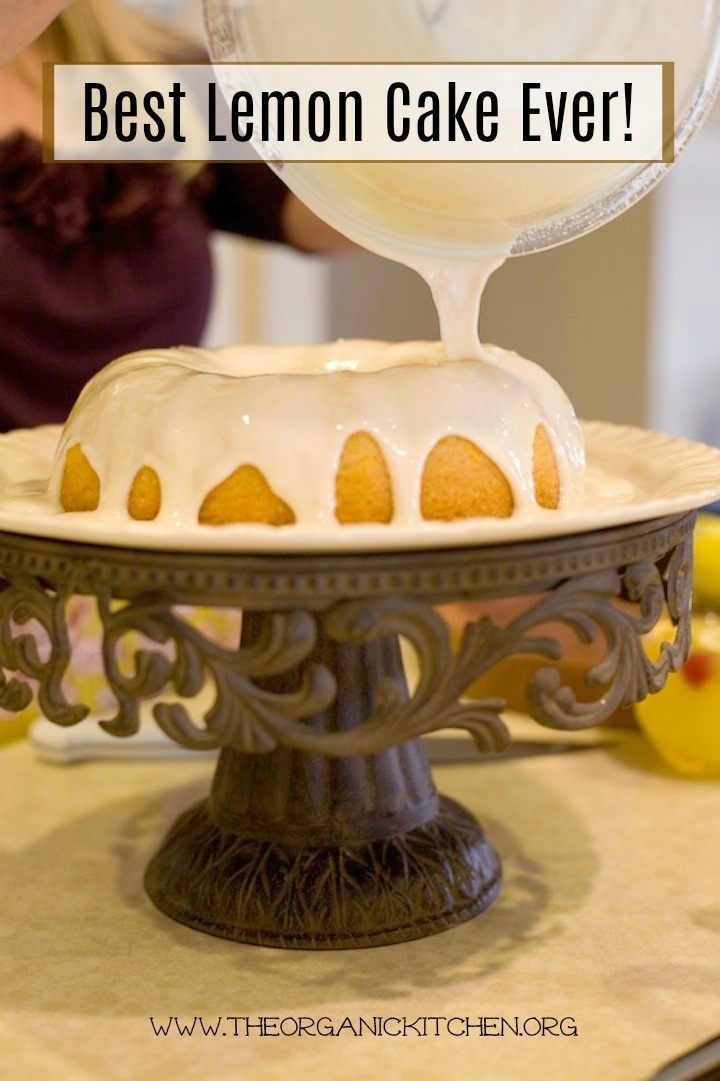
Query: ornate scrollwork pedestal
(323,828)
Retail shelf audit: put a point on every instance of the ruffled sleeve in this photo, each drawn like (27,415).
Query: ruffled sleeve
(59,206)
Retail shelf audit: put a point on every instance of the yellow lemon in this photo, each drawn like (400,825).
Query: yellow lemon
(683,721)
(706,575)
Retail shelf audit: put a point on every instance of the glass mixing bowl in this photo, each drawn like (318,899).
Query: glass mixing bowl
(461,210)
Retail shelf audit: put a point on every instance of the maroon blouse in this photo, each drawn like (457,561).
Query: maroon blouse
(99,260)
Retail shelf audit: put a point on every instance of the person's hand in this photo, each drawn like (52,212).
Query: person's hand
(21,21)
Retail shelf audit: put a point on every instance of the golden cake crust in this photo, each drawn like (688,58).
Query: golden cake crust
(458,481)
(244,496)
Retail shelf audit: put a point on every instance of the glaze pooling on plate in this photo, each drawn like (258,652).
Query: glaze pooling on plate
(196,415)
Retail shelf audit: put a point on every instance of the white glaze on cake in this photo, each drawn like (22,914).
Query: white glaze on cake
(195,415)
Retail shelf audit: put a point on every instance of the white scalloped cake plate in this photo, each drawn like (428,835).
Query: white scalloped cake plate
(661,475)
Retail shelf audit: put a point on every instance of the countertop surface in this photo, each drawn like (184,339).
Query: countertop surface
(608,921)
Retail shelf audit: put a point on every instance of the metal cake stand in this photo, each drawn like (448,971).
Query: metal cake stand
(323,828)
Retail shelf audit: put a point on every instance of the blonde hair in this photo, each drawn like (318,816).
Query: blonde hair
(112,32)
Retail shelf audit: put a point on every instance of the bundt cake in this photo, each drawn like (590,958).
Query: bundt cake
(337,434)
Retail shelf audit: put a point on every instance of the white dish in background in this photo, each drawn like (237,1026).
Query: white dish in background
(87,741)
(635,475)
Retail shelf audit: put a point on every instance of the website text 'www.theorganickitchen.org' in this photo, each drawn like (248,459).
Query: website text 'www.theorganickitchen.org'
(295,1026)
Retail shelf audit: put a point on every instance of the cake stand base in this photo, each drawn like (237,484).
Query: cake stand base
(302,850)
(269,894)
